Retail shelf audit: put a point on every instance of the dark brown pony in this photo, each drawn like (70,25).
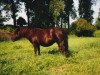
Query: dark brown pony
(44,37)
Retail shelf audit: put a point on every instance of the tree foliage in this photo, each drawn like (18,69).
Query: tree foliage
(85,10)
(29,9)
(2,19)
(42,14)
(69,10)
(12,6)
(98,21)
(56,7)
(21,21)
(46,13)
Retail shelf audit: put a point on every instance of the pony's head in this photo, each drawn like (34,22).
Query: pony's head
(16,36)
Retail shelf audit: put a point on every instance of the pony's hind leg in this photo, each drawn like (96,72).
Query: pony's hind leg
(61,46)
(36,48)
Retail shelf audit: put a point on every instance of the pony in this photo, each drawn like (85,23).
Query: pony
(43,37)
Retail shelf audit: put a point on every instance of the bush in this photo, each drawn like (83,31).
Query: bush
(5,31)
(4,36)
(7,28)
(82,28)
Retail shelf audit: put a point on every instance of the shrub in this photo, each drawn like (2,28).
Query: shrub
(7,28)
(4,36)
(82,28)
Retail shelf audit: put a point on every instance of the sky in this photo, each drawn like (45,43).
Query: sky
(96,8)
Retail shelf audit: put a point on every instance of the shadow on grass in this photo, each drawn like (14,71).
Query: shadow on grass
(54,51)
(69,53)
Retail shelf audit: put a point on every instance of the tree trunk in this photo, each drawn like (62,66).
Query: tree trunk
(61,22)
(65,24)
(68,20)
(28,16)
(14,13)
(14,19)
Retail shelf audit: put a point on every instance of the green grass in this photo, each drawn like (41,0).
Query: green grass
(97,33)
(17,58)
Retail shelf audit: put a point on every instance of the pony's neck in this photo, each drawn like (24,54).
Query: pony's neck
(26,33)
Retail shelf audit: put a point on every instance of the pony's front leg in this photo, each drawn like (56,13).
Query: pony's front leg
(38,50)
(35,49)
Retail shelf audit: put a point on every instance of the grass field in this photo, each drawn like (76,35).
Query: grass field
(17,58)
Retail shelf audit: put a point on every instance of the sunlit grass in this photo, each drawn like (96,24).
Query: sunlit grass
(97,33)
(17,58)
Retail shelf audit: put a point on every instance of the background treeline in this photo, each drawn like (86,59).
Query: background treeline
(45,13)
(50,13)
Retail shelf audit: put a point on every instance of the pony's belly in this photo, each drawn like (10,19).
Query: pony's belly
(46,44)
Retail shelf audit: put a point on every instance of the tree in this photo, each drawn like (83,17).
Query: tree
(69,10)
(36,10)
(2,7)
(45,13)
(56,8)
(85,10)
(29,9)
(41,12)
(14,8)
(98,21)
(2,19)
(21,21)
(38,13)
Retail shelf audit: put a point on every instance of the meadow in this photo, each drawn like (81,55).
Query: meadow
(17,58)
